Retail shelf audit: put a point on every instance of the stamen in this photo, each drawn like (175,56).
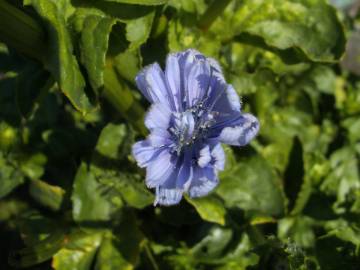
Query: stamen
(203,119)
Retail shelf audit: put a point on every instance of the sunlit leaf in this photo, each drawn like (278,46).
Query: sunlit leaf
(60,58)
(89,201)
(78,253)
(210,209)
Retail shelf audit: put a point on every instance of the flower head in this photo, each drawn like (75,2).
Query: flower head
(193,111)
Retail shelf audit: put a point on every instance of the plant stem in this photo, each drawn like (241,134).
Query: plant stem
(150,256)
(215,9)
(119,95)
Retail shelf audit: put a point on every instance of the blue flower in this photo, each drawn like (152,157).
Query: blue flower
(193,111)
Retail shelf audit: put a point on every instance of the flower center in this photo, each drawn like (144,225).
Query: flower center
(191,127)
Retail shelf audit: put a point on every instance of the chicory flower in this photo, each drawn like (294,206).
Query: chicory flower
(193,111)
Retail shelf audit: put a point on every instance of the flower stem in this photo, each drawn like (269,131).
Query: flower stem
(150,256)
(119,95)
(215,9)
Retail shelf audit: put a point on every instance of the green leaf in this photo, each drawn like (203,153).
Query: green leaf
(10,177)
(352,124)
(109,256)
(213,244)
(38,252)
(120,249)
(140,2)
(253,186)
(78,254)
(131,189)
(9,136)
(33,166)
(343,180)
(60,59)
(240,257)
(138,30)
(298,229)
(344,230)
(95,33)
(302,30)
(11,208)
(48,195)
(89,200)
(128,64)
(129,238)
(209,208)
(113,140)
(181,37)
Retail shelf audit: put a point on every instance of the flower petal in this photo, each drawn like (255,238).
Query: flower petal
(228,100)
(215,65)
(152,83)
(186,62)
(158,117)
(197,82)
(165,196)
(144,153)
(241,132)
(159,138)
(203,182)
(205,157)
(173,76)
(185,172)
(218,156)
(161,167)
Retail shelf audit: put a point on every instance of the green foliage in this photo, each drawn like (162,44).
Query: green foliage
(71,194)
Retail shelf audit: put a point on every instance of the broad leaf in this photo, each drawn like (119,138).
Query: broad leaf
(89,200)
(253,186)
(94,37)
(286,28)
(209,208)
(141,2)
(10,177)
(47,195)
(60,59)
(78,253)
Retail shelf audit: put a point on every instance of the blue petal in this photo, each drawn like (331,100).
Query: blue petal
(205,157)
(170,191)
(197,82)
(152,83)
(218,156)
(186,62)
(217,88)
(173,76)
(227,100)
(158,117)
(159,138)
(144,153)
(160,168)
(167,197)
(241,132)
(185,172)
(203,182)
(215,66)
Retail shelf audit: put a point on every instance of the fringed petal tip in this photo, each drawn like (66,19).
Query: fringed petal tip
(242,133)
(167,197)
